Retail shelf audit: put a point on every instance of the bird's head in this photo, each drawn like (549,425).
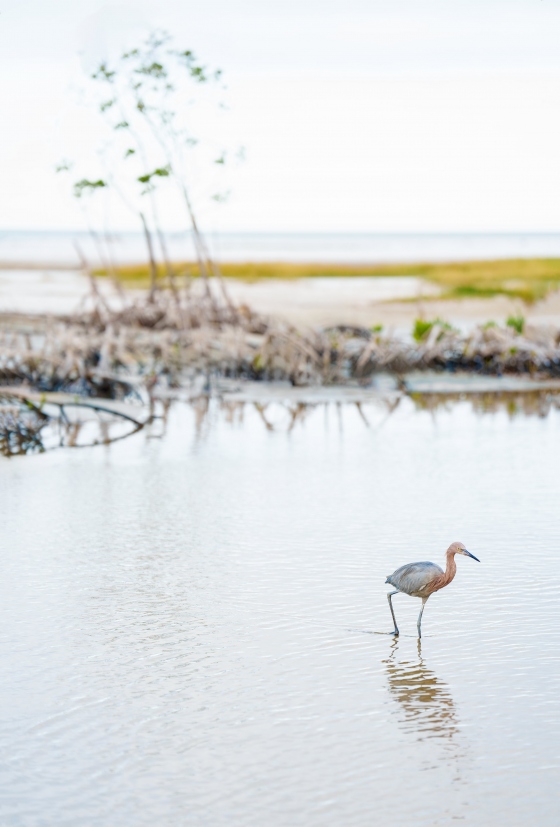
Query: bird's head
(459,548)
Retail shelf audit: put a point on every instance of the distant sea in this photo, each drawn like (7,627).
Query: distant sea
(52,249)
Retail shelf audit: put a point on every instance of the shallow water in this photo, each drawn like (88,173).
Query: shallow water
(191,629)
(44,247)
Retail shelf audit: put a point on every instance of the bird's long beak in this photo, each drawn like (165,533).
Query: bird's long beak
(471,555)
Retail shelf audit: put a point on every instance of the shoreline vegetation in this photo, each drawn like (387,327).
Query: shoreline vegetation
(164,342)
(529,279)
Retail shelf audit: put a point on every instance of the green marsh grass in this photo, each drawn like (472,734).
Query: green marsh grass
(517,323)
(526,279)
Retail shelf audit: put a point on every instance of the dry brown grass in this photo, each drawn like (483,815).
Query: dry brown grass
(169,340)
(108,352)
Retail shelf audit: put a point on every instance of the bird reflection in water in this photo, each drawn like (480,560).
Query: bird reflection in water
(424,700)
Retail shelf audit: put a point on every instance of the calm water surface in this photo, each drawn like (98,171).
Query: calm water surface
(58,247)
(192,625)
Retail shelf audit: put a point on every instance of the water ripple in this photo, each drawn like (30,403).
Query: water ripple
(195,632)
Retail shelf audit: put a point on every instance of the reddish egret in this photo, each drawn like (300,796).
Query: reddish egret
(423,579)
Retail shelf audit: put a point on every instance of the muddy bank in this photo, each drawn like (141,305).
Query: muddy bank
(134,349)
(170,339)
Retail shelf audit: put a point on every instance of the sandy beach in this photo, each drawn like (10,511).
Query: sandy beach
(394,302)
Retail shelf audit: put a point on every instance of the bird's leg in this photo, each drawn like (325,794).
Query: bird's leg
(419,624)
(389,596)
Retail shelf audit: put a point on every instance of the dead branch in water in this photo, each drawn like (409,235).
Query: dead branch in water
(126,352)
(111,353)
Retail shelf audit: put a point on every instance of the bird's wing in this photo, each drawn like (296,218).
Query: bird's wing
(414,576)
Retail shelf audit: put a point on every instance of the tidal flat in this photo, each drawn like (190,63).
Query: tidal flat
(529,279)
(194,620)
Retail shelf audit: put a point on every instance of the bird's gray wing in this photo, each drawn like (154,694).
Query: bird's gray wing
(414,577)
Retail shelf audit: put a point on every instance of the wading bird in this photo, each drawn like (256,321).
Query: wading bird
(423,579)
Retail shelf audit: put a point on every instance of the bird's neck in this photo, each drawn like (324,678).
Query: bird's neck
(450,569)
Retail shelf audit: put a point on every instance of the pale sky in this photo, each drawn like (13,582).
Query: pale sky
(357,115)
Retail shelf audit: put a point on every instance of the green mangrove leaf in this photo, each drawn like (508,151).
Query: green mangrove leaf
(80,187)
